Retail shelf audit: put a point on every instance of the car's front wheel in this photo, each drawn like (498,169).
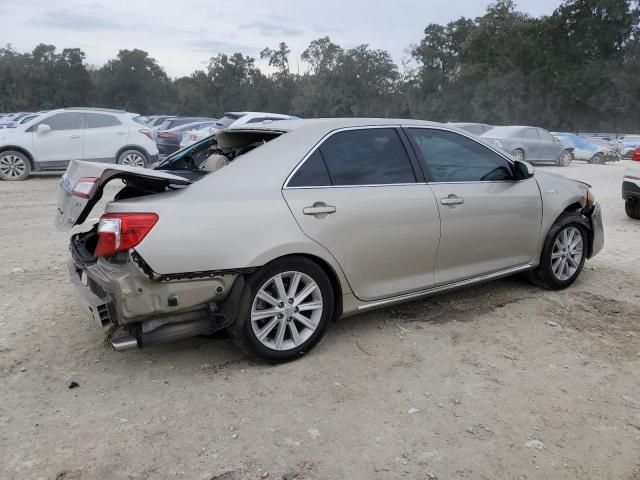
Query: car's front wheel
(598,159)
(285,309)
(14,166)
(632,207)
(133,158)
(518,155)
(564,253)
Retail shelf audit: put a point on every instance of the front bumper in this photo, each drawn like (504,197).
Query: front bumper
(121,294)
(597,231)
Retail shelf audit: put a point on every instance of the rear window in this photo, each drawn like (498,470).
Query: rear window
(226,121)
(99,120)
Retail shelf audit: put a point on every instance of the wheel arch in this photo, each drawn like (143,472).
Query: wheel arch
(23,151)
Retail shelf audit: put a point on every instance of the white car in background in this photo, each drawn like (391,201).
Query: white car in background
(50,141)
(231,119)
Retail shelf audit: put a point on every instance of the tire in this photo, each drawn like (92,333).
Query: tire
(565,158)
(132,157)
(271,337)
(598,159)
(14,166)
(518,155)
(550,274)
(633,209)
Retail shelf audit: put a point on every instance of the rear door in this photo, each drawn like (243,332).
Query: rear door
(489,221)
(361,196)
(54,149)
(104,135)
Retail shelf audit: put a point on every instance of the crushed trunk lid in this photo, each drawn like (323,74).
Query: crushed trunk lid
(74,208)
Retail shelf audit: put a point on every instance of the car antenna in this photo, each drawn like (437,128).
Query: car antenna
(124,109)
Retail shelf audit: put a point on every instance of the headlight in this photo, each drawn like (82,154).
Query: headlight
(591,200)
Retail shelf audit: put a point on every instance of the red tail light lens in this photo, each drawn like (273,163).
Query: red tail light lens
(636,155)
(84,187)
(118,232)
(147,133)
(167,135)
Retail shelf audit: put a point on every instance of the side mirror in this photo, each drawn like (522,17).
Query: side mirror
(43,128)
(524,170)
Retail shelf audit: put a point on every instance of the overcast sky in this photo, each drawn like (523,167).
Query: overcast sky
(184,34)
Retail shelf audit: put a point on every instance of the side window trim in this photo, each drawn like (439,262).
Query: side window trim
(425,166)
(397,128)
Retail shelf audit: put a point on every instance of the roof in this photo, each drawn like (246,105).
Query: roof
(328,124)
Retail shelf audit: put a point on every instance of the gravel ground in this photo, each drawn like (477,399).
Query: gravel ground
(498,381)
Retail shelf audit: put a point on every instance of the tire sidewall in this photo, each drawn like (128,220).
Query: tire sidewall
(27,170)
(122,155)
(567,220)
(241,330)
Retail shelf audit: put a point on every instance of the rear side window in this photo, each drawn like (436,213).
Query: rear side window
(312,173)
(99,120)
(455,158)
(530,134)
(64,121)
(372,156)
(544,135)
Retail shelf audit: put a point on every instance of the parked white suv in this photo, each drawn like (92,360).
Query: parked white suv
(52,140)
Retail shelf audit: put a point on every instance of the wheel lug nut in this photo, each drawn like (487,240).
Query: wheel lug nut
(280,316)
(281,305)
(290,300)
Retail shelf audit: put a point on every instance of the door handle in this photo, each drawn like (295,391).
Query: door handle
(74,136)
(452,200)
(319,208)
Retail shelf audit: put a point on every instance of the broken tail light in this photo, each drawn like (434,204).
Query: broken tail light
(118,232)
(84,187)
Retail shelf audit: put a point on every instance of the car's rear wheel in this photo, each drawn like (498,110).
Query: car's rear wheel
(518,155)
(14,166)
(285,309)
(632,207)
(133,158)
(566,157)
(598,159)
(564,253)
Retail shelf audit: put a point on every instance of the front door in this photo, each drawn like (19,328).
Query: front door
(359,196)
(55,148)
(489,221)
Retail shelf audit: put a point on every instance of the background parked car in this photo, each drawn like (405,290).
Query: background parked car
(475,128)
(168,141)
(629,145)
(156,120)
(531,144)
(233,119)
(50,141)
(586,150)
(631,186)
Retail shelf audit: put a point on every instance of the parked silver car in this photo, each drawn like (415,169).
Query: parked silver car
(273,230)
(530,144)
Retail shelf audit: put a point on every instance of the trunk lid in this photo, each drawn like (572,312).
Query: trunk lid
(73,209)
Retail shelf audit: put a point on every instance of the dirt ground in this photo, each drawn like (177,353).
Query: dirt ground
(501,381)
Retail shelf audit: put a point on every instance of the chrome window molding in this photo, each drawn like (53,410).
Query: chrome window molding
(406,127)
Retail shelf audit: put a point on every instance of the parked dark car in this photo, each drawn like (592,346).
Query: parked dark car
(168,141)
(170,123)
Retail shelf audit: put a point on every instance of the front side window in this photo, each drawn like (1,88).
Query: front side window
(530,134)
(544,135)
(455,158)
(99,120)
(370,156)
(64,121)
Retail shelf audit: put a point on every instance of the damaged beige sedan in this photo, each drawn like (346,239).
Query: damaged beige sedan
(273,231)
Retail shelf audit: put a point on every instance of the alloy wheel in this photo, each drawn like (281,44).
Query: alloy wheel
(567,253)
(12,166)
(518,155)
(286,311)
(565,158)
(133,159)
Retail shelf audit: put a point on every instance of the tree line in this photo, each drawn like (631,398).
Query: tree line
(575,69)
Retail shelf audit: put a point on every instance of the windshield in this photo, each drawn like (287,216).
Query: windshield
(501,132)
